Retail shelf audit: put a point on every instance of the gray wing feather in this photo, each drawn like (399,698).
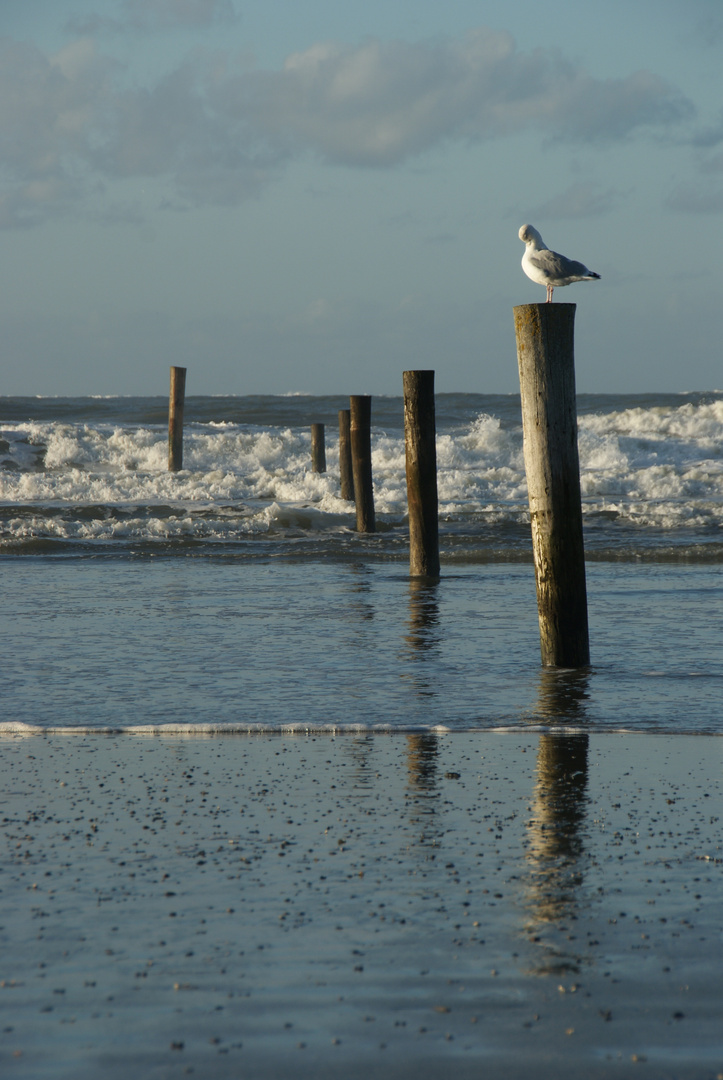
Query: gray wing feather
(557,269)
(558,266)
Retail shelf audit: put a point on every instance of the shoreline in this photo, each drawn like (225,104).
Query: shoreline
(319,905)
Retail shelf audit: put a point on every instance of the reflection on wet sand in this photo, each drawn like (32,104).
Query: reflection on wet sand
(556,830)
(422,754)
(423,793)
(361,755)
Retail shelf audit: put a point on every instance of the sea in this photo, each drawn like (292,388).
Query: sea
(237,596)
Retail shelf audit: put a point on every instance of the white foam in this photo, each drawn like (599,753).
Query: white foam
(202,729)
(660,466)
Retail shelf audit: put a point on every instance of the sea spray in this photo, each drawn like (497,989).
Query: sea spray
(75,471)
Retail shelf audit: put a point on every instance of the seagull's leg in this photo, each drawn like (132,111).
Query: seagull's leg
(549,293)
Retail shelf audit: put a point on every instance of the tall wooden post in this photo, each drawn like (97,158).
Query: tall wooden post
(421,461)
(176,403)
(318,449)
(361,456)
(346,474)
(546,358)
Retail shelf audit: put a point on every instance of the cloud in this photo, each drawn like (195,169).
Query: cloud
(215,132)
(696,197)
(143,14)
(702,194)
(712,164)
(378,103)
(148,15)
(210,155)
(709,136)
(49,110)
(580,200)
(710,26)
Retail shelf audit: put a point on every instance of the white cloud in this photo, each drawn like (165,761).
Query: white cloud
(216,132)
(381,102)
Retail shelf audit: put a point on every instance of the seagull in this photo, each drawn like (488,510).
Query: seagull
(546,267)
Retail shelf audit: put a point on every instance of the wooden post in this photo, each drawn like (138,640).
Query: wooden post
(546,358)
(361,456)
(175,419)
(346,474)
(318,449)
(421,460)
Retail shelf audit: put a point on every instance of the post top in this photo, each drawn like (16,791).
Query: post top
(543,306)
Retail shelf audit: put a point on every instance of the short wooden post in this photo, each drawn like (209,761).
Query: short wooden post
(346,474)
(176,402)
(361,456)
(546,358)
(421,461)
(318,449)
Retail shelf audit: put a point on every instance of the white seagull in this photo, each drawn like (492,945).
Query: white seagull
(546,267)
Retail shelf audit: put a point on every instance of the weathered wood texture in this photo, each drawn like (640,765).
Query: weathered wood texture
(318,449)
(361,455)
(546,358)
(176,403)
(421,462)
(346,474)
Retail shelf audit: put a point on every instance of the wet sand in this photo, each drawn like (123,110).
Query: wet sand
(483,904)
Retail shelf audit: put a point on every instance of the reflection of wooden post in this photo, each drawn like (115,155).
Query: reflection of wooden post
(423,616)
(361,454)
(346,475)
(559,799)
(421,460)
(556,832)
(422,752)
(318,448)
(545,353)
(175,419)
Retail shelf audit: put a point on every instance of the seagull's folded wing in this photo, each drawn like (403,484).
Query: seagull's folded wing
(558,269)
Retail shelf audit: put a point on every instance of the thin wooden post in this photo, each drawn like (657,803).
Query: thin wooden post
(546,358)
(318,449)
(346,473)
(176,402)
(421,462)
(361,455)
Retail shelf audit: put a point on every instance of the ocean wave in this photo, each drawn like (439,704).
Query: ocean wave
(643,467)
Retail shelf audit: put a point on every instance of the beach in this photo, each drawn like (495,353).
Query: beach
(484,903)
(272,808)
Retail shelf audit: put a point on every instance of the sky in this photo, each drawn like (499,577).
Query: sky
(313,197)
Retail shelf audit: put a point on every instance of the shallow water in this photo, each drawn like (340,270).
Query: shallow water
(236,594)
(279,644)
